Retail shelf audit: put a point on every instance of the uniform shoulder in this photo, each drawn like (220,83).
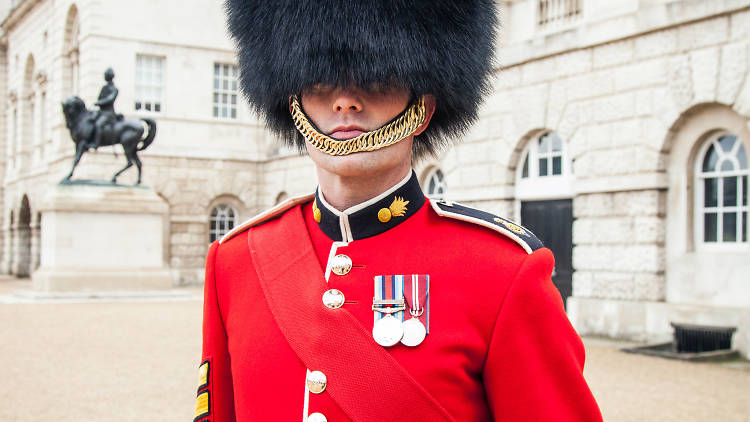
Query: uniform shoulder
(268,214)
(521,235)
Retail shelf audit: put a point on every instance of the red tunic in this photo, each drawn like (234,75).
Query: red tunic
(500,346)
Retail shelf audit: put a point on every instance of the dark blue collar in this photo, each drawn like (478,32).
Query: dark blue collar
(372,217)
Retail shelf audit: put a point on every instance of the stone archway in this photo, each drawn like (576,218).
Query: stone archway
(22,239)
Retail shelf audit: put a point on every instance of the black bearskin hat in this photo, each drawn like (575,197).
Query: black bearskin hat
(438,47)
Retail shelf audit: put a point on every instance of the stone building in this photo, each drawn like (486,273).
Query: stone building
(627,122)
(209,154)
(617,130)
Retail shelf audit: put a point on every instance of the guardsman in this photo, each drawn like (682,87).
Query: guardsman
(366,301)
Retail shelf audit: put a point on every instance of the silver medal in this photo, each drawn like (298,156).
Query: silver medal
(387,331)
(414,332)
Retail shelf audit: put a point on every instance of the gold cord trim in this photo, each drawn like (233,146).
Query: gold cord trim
(412,118)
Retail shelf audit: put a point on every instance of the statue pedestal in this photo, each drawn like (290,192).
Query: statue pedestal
(102,237)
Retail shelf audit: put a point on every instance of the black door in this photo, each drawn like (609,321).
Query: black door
(552,223)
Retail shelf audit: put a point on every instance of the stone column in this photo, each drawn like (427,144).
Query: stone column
(36,232)
(22,250)
(5,238)
(10,250)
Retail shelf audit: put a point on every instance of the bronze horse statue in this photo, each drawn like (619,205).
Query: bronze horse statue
(127,132)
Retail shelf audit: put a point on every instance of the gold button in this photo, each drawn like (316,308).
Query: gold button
(316,382)
(333,299)
(341,264)
(316,417)
(384,215)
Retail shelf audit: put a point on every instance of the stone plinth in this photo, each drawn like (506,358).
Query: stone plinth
(98,237)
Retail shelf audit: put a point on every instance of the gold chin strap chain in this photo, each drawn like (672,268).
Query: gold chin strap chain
(411,119)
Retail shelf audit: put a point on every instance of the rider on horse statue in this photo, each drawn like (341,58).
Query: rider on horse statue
(106,102)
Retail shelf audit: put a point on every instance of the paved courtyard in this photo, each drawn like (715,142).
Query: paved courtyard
(128,361)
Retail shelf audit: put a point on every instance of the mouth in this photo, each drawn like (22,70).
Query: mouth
(346,132)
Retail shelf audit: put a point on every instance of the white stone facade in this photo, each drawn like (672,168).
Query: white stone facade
(634,88)
(53,49)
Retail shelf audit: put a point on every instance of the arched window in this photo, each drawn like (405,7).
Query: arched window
(435,183)
(544,171)
(70,52)
(544,157)
(28,114)
(223,218)
(721,174)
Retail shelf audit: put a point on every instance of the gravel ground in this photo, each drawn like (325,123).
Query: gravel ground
(127,361)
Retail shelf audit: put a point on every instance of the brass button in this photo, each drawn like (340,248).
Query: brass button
(341,264)
(384,215)
(316,382)
(317,417)
(333,299)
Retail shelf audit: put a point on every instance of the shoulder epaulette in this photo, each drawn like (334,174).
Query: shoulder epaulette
(521,235)
(267,215)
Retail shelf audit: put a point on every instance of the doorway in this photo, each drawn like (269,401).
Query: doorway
(552,222)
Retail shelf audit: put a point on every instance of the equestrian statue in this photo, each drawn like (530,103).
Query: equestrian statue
(95,128)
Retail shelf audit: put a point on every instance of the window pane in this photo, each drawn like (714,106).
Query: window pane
(556,142)
(730,227)
(727,142)
(544,144)
(216,69)
(157,107)
(730,191)
(742,157)
(744,227)
(542,166)
(525,171)
(216,111)
(557,165)
(709,163)
(213,224)
(711,188)
(709,227)
(216,83)
(137,105)
(234,113)
(743,199)
(726,165)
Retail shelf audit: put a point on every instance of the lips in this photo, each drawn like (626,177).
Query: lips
(346,132)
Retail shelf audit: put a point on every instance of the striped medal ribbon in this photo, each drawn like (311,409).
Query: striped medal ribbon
(388,309)
(417,298)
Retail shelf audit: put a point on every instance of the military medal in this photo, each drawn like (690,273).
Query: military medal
(416,294)
(387,331)
(388,310)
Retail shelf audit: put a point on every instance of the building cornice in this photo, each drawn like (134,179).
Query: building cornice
(16,14)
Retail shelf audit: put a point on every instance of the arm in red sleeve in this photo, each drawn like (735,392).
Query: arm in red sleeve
(534,367)
(218,382)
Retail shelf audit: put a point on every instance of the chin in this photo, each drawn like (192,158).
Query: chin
(358,164)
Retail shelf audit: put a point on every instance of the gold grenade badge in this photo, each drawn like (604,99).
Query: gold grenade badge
(396,209)
(316,211)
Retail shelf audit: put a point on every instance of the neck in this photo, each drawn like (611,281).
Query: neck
(342,192)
